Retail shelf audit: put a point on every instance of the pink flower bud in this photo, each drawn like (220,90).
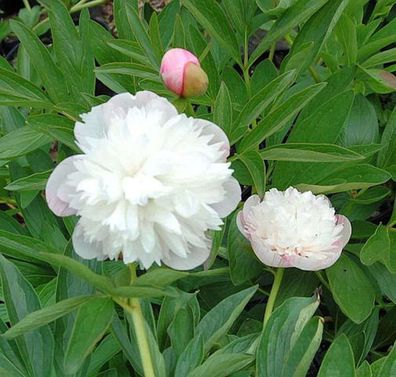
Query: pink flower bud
(182,73)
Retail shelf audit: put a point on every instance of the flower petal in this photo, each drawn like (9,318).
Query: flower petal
(232,198)
(218,135)
(267,256)
(195,258)
(96,123)
(346,231)
(315,264)
(85,249)
(57,181)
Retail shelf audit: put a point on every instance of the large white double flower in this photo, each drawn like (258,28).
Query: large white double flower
(149,184)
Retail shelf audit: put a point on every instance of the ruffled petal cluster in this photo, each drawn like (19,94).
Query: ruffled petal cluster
(149,184)
(294,229)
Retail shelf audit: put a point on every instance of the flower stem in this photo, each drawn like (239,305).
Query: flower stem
(27,5)
(272,297)
(133,308)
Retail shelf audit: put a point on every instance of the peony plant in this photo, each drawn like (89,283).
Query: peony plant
(197,188)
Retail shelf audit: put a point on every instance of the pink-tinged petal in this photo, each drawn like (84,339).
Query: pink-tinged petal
(195,258)
(218,135)
(85,249)
(232,198)
(172,68)
(96,123)
(56,187)
(346,231)
(241,224)
(251,202)
(315,264)
(267,256)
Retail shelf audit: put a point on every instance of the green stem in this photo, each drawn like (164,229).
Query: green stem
(322,280)
(133,308)
(27,5)
(83,4)
(272,297)
(272,52)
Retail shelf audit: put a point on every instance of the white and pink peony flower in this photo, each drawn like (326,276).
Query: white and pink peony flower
(294,229)
(149,184)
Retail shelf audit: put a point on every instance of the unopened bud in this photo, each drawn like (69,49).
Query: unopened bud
(182,73)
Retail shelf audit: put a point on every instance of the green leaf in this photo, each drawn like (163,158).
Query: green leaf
(382,38)
(244,265)
(259,102)
(299,12)
(389,366)
(92,321)
(351,288)
(44,316)
(304,349)
(139,29)
(160,277)
(378,248)
(129,48)
(283,332)
(338,361)
(387,155)
(21,299)
(218,320)
(130,69)
(99,281)
(212,18)
(121,21)
(309,152)
(356,177)
(279,116)
(364,370)
(378,80)
(190,358)
(317,30)
(73,58)
(56,127)
(142,291)
(36,181)
(42,61)
(346,34)
(362,125)
(222,113)
(20,142)
(221,365)
(383,57)
(255,164)
(17,91)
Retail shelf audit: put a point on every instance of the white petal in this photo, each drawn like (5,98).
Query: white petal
(195,258)
(98,120)
(218,135)
(250,203)
(346,231)
(315,264)
(267,256)
(232,198)
(56,187)
(85,249)
(240,221)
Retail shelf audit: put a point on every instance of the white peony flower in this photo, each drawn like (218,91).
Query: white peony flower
(149,184)
(294,229)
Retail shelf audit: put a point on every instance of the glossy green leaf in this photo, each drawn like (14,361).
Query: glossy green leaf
(309,152)
(283,332)
(338,361)
(36,181)
(190,358)
(222,112)
(130,69)
(210,15)
(346,34)
(92,321)
(279,116)
(44,316)
(255,164)
(218,320)
(21,299)
(351,288)
(299,12)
